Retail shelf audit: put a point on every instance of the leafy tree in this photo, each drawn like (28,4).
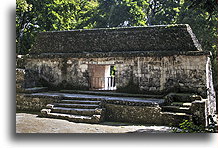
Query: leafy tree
(210,6)
(23,24)
(70,14)
(204,29)
(28,13)
(34,16)
(162,12)
(114,13)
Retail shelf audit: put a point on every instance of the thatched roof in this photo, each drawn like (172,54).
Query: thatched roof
(152,38)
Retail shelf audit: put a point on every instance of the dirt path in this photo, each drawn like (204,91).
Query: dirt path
(30,123)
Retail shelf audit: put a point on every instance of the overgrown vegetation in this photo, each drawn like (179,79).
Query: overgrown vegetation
(190,127)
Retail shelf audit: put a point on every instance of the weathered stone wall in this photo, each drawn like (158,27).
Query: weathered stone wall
(145,114)
(61,72)
(26,102)
(199,111)
(177,73)
(20,80)
(20,61)
(133,114)
(211,106)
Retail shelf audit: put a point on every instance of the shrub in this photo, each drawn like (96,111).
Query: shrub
(189,127)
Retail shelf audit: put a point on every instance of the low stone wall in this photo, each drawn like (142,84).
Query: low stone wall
(20,80)
(133,114)
(26,102)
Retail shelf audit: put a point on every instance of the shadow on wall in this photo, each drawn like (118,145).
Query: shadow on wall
(131,87)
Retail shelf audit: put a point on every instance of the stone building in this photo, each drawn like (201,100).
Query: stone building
(146,60)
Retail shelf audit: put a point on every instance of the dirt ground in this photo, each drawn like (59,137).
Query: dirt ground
(30,123)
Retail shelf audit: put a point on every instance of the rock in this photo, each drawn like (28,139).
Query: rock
(196,97)
(152,89)
(181,84)
(45,111)
(49,106)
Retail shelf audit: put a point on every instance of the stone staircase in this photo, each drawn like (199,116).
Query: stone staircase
(178,108)
(76,109)
(179,111)
(176,113)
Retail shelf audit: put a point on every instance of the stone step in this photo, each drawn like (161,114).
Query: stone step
(76,111)
(81,102)
(177,109)
(181,104)
(36,90)
(111,93)
(182,97)
(95,98)
(85,106)
(75,118)
(174,119)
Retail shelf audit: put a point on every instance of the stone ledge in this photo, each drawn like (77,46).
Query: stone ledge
(132,103)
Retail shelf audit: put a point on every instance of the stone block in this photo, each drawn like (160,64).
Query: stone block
(50,106)
(199,112)
(152,89)
(45,111)
(20,75)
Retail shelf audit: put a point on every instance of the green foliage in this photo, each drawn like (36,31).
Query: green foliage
(114,13)
(210,6)
(188,127)
(70,14)
(34,16)
(22,26)
(204,29)
(163,12)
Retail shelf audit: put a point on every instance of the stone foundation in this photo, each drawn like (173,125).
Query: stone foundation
(120,110)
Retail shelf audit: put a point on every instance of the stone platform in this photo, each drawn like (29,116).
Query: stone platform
(94,107)
(121,98)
